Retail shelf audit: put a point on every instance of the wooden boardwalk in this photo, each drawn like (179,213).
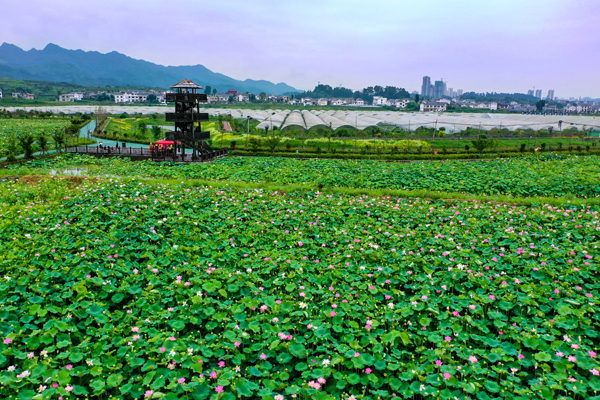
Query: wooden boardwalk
(141,153)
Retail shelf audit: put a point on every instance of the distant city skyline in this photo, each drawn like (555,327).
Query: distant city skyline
(490,46)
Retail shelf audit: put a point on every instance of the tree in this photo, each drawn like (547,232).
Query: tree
(482,144)
(152,99)
(156,132)
(103,97)
(230,99)
(272,142)
(143,128)
(262,96)
(214,91)
(11,146)
(207,89)
(252,98)
(42,142)
(73,130)
(59,139)
(417,98)
(540,104)
(26,143)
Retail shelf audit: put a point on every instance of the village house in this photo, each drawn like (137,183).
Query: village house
(131,96)
(24,96)
(71,97)
(322,102)
(379,101)
(432,107)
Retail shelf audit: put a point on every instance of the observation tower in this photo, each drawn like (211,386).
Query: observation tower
(188,118)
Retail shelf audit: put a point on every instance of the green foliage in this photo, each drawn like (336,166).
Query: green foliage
(483,144)
(144,286)
(26,143)
(11,130)
(156,132)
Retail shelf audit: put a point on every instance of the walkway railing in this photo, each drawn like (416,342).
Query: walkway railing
(140,152)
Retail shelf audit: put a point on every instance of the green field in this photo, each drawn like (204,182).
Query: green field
(274,278)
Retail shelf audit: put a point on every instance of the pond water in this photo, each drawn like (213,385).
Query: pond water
(77,171)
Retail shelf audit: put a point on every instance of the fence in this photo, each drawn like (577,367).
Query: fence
(144,153)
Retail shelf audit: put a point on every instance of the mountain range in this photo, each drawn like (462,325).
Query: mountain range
(91,68)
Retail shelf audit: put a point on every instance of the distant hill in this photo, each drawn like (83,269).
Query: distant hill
(91,68)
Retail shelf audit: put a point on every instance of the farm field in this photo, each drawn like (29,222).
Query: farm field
(547,175)
(126,289)
(141,128)
(35,127)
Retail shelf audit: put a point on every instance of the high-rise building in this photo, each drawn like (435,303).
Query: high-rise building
(538,93)
(425,87)
(459,92)
(550,94)
(439,89)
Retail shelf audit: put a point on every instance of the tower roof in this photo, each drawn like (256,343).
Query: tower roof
(186,84)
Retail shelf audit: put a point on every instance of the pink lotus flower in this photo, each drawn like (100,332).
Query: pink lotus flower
(222,364)
(447,376)
(181,380)
(163,349)
(356,354)
(473,359)
(572,358)
(492,297)
(594,371)
(237,344)
(592,354)
(219,389)
(368,370)
(521,356)
(8,341)
(213,375)
(149,393)
(332,313)
(438,363)
(263,356)
(69,367)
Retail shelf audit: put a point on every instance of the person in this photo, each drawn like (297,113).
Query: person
(100,145)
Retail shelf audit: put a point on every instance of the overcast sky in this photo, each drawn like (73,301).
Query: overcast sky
(479,45)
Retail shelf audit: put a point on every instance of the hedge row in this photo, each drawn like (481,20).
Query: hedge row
(390,157)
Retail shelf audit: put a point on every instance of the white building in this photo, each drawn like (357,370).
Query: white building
(307,101)
(0,94)
(493,105)
(131,96)
(379,101)
(322,102)
(432,107)
(25,96)
(400,103)
(70,97)
(360,102)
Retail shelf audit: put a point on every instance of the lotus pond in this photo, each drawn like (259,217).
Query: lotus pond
(547,175)
(130,290)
